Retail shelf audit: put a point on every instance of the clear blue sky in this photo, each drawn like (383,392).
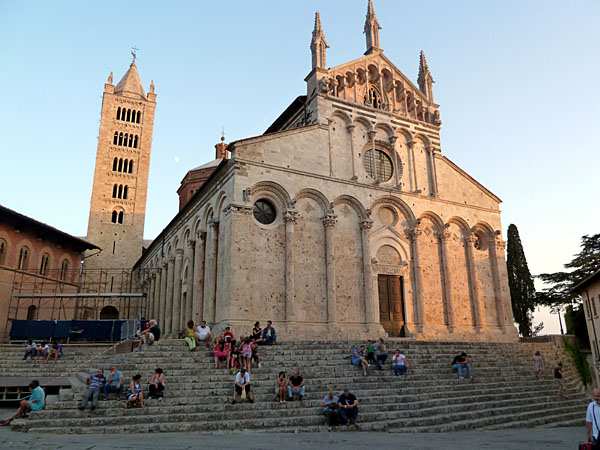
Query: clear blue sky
(516,81)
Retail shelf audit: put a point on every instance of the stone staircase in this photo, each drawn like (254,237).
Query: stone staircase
(503,394)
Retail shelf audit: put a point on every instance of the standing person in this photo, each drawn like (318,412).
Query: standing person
(55,350)
(296,386)
(399,363)
(370,352)
(381,353)
(592,419)
(157,384)
(247,354)
(203,333)
(269,333)
(537,361)
(242,383)
(331,409)
(560,381)
(30,349)
(35,403)
(93,384)
(282,383)
(189,336)
(358,359)
(114,383)
(135,392)
(461,362)
(348,404)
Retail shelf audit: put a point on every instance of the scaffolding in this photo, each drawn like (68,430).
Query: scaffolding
(97,294)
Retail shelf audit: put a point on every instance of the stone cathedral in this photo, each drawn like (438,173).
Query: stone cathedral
(343,220)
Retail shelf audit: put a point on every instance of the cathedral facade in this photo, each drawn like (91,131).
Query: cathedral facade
(343,220)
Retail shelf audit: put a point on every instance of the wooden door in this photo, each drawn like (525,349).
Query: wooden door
(391,303)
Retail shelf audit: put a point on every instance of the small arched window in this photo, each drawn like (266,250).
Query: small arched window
(31,312)
(23,258)
(64,268)
(116,138)
(118,113)
(131,166)
(125,192)
(120,138)
(135,142)
(138,117)
(3,250)
(128,115)
(115,165)
(123,112)
(120,195)
(131,140)
(120,169)
(121,217)
(44,264)
(114,217)
(114,191)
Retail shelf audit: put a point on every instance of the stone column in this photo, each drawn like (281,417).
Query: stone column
(473,278)
(499,272)
(151,297)
(163,297)
(393,140)
(175,319)
(350,129)
(290,217)
(198,286)
(329,122)
(329,222)
(169,305)
(444,236)
(188,311)
(418,287)
(411,151)
(434,151)
(210,274)
(372,134)
(370,315)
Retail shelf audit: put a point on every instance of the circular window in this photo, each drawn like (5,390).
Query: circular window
(381,163)
(264,212)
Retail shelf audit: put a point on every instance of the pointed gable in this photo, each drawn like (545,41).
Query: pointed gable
(131,83)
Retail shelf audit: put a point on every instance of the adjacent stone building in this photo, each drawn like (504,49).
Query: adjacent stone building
(343,220)
(589,290)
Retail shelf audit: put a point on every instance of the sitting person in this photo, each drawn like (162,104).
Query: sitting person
(399,363)
(35,403)
(257,333)
(157,384)
(242,384)
(154,332)
(280,389)
(55,350)
(255,356)
(136,396)
(247,354)
(269,334)
(189,336)
(145,337)
(114,383)
(459,363)
(203,333)
(43,350)
(348,404)
(296,386)
(228,336)
(331,409)
(30,349)
(222,352)
(381,353)
(236,355)
(358,359)
(370,353)
(93,384)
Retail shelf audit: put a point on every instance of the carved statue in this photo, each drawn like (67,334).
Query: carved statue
(436,117)
(323,86)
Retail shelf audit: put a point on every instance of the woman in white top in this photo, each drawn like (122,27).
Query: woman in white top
(539,366)
(399,363)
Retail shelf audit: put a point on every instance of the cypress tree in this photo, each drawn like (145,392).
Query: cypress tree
(520,282)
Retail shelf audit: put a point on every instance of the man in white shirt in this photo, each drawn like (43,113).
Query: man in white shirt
(242,383)
(203,333)
(592,418)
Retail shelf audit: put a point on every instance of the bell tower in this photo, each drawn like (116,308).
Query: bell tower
(118,205)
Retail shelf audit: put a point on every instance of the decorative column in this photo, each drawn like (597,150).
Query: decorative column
(350,129)
(163,297)
(175,319)
(411,151)
(198,284)
(372,134)
(329,222)
(434,151)
(499,271)
(210,276)
(365,226)
(418,287)
(169,304)
(329,122)
(290,217)
(473,278)
(151,297)
(393,140)
(188,311)
(444,236)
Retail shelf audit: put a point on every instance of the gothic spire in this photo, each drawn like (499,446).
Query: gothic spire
(372,29)
(131,82)
(318,45)
(425,79)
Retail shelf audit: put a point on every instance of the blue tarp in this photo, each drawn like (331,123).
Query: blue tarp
(63,329)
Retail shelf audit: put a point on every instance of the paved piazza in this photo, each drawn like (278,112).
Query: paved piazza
(525,439)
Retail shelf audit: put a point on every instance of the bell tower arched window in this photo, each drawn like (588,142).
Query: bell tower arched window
(44,264)
(23,258)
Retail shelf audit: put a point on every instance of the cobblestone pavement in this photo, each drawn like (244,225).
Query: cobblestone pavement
(525,439)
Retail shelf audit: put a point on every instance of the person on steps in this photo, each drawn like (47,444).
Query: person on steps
(399,363)
(348,404)
(55,350)
(30,349)
(93,384)
(358,359)
(157,384)
(538,364)
(281,387)
(370,352)
(144,336)
(461,362)
(114,383)
(269,333)
(203,333)
(154,332)
(381,353)
(331,409)
(257,333)
(189,336)
(592,419)
(136,396)
(242,384)
(560,381)
(35,403)
(296,386)
(247,354)
(43,350)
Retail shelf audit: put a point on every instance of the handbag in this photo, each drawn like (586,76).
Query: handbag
(586,446)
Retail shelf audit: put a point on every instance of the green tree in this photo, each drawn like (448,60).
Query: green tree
(520,282)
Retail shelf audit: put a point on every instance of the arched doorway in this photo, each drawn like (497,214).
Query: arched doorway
(109,313)
(31,312)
